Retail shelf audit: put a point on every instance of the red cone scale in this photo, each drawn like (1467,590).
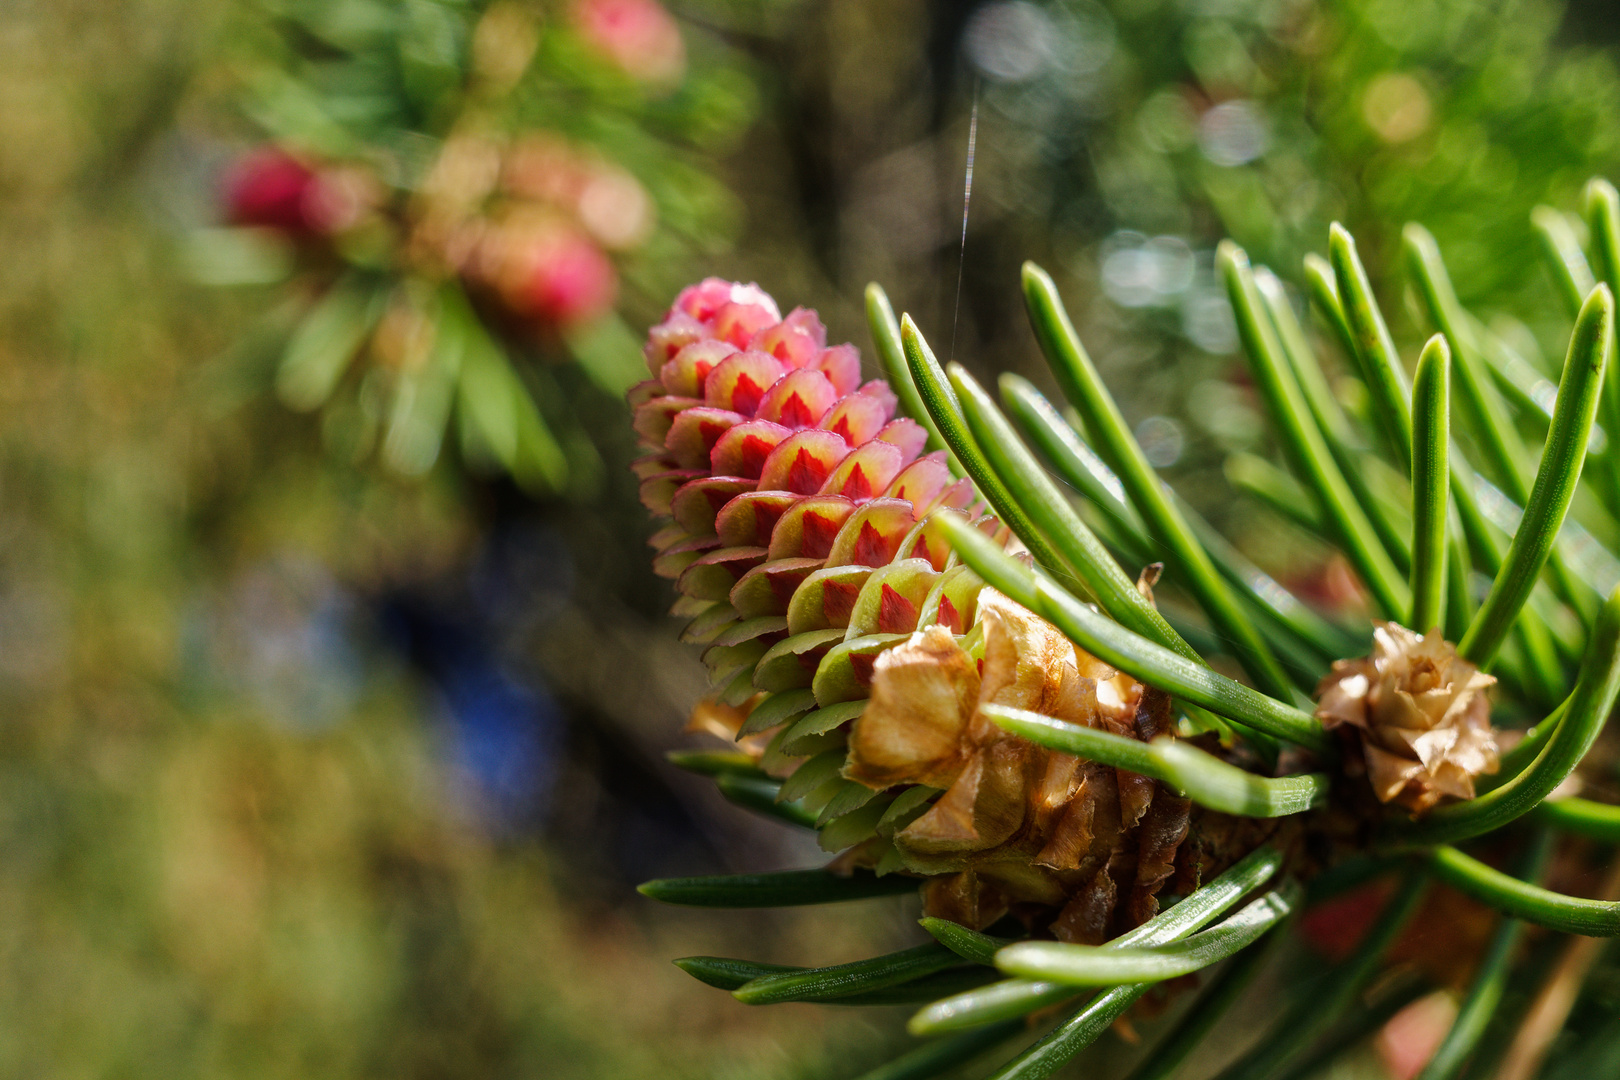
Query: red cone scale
(788,482)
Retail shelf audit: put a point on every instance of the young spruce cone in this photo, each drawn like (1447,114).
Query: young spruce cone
(836,620)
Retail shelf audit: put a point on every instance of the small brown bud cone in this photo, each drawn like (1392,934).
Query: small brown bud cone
(1422,713)
(1018,824)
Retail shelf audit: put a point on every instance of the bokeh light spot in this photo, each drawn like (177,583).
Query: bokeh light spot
(1009,41)
(1397,107)
(1233,133)
(1161,440)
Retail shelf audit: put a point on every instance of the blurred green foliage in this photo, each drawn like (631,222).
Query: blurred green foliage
(1460,115)
(229,847)
(1265,121)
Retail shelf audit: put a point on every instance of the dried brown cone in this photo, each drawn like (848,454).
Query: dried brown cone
(1421,714)
(1019,824)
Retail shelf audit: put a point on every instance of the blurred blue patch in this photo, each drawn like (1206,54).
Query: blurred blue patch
(505,738)
(506,734)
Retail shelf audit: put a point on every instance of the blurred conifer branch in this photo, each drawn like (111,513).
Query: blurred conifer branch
(457,193)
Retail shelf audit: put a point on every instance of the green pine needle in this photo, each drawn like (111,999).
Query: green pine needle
(1478,1009)
(760,794)
(891,354)
(1101,965)
(1039,497)
(842,980)
(1374,349)
(787,888)
(1137,656)
(1431,482)
(1522,900)
(1302,439)
(1084,388)
(1560,472)
(1582,817)
(1201,776)
(941,403)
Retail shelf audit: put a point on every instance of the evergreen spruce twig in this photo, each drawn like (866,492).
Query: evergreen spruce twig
(811,641)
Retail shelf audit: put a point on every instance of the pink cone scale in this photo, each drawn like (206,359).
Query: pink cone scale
(795,502)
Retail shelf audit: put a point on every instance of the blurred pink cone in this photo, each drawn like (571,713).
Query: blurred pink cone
(569,280)
(637,35)
(270,188)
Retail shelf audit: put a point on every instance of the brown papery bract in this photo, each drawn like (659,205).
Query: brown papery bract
(1423,715)
(1019,823)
